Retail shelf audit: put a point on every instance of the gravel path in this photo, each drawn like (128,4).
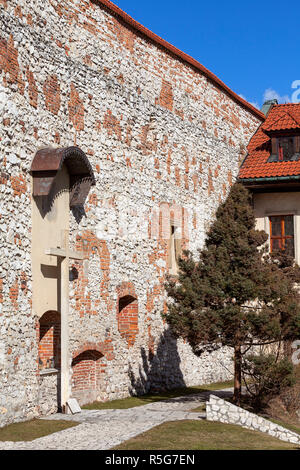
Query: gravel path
(104,429)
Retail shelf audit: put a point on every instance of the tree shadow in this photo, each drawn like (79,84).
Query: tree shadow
(160,375)
(159,371)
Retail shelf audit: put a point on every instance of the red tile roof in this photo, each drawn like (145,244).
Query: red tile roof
(116,11)
(281,117)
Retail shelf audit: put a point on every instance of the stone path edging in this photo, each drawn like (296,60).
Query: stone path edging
(217,409)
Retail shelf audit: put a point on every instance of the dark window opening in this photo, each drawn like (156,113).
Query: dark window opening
(285,149)
(125,301)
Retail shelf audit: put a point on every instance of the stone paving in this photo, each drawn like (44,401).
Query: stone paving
(104,429)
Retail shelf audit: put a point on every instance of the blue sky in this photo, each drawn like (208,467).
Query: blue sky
(253,46)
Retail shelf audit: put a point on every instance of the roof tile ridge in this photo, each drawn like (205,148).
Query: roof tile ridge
(293,117)
(274,120)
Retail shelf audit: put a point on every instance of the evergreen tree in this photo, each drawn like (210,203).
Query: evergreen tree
(236,294)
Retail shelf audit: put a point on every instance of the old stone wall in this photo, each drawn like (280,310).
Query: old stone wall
(165,143)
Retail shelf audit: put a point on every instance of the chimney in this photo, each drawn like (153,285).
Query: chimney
(268,105)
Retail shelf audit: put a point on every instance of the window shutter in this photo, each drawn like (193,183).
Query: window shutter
(274,146)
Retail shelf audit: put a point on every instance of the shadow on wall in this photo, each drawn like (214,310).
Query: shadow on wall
(78,212)
(159,371)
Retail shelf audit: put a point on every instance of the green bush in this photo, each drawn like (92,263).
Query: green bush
(267,376)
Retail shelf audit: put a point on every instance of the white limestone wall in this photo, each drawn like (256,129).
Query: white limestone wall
(156,131)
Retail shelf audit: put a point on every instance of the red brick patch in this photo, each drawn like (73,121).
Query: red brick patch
(52,94)
(166,95)
(112,124)
(9,62)
(32,88)
(76,109)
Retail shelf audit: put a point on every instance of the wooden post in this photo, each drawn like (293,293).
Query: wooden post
(64,292)
(64,254)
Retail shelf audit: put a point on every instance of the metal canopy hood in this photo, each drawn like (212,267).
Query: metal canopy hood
(47,162)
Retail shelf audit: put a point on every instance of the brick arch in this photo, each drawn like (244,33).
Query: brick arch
(87,369)
(49,333)
(126,288)
(125,301)
(99,347)
(127,312)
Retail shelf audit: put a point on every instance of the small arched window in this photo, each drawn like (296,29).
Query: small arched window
(128,318)
(49,341)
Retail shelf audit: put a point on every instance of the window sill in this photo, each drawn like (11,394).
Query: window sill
(273,158)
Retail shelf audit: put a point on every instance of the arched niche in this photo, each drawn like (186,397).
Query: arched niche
(127,317)
(87,369)
(127,312)
(125,301)
(49,340)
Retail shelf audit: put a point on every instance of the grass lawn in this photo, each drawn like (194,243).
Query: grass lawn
(29,430)
(200,408)
(203,435)
(131,402)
